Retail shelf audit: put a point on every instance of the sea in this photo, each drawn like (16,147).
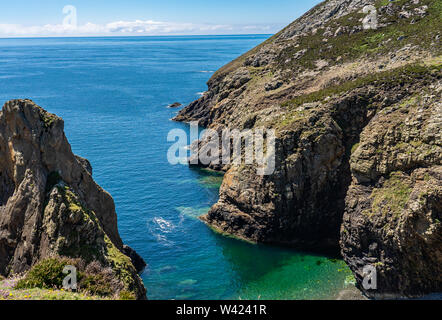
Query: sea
(113,94)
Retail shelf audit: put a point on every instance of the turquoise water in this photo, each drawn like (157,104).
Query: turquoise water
(112,94)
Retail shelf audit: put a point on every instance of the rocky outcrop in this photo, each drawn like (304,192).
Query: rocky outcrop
(175,105)
(321,83)
(394,204)
(136,259)
(49,203)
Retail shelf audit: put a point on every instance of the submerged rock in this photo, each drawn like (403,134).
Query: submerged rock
(50,206)
(175,105)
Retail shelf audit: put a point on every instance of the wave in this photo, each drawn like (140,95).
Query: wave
(164,225)
(159,228)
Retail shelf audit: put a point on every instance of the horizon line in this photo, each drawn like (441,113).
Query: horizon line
(137,36)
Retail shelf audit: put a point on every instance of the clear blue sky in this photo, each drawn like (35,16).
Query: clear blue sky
(192,16)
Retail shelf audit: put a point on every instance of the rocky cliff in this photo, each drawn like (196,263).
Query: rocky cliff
(354,97)
(49,204)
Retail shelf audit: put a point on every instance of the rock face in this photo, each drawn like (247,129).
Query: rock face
(331,87)
(49,203)
(394,206)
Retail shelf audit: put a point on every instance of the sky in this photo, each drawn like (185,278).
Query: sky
(43,18)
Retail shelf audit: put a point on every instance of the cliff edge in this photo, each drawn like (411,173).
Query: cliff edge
(50,206)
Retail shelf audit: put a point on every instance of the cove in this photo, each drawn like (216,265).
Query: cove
(113,94)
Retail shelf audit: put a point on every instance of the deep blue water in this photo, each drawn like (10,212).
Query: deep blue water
(112,94)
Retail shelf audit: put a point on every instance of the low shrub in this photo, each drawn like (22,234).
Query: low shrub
(46,274)
(126,295)
(93,279)
(97,285)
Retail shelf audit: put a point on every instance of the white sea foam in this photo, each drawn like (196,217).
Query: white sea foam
(159,228)
(164,225)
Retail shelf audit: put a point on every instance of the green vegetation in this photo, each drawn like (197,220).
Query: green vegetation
(410,101)
(47,274)
(44,282)
(425,74)
(47,118)
(97,284)
(94,280)
(393,196)
(210,178)
(126,295)
(8,293)
(238,62)
(354,148)
(120,273)
(294,116)
(86,251)
(398,32)
(350,280)
(121,265)
(379,264)
(382,3)
(385,79)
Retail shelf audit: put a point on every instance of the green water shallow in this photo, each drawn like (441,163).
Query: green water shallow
(223,267)
(268,272)
(210,179)
(234,269)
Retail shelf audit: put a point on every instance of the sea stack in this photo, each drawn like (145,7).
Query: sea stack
(50,206)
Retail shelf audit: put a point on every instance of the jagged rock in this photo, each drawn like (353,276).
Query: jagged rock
(421,11)
(340,31)
(137,261)
(276,84)
(404,14)
(50,205)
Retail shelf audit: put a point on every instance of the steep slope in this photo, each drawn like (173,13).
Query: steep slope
(394,204)
(49,203)
(321,83)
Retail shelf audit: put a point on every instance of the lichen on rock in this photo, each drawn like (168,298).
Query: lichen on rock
(50,205)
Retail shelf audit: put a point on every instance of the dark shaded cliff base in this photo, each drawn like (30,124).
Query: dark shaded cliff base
(50,207)
(357,115)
